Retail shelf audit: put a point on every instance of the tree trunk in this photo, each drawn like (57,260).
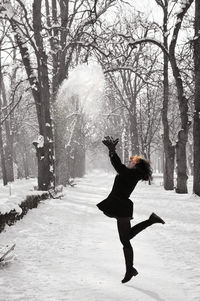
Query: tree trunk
(182,177)
(25,159)
(125,150)
(169,150)
(183,106)
(25,165)
(190,158)
(3,164)
(79,153)
(169,157)
(9,139)
(45,155)
(196,125)
(64,135)
(79,162)
(134,134)
(61,163)
(41,94)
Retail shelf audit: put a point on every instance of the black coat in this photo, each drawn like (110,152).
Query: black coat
(118,204)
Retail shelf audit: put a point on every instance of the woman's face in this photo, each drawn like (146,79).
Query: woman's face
(133,160)
(131,164)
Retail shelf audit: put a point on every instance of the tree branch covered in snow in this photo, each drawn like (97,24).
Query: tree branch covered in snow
(179,19)
(149,40)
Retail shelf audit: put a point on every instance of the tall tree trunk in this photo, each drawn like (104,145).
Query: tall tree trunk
(61,61)
(190,159)
(181,161)
(61,151)
(125,150)
(9,139)
(134,133)
(25,156)
(79,160)
(196,125)
(45,153)
(3,163)
(169,150)
(79,153)
(41,94)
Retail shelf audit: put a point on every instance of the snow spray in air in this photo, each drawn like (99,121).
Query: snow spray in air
(85,83)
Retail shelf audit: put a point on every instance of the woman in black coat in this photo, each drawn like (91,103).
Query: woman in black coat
(118,204)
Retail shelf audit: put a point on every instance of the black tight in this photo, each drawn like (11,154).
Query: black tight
(139,227)
(126,232)
(124,228)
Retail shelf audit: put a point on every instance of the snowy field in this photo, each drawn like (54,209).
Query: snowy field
(68,250)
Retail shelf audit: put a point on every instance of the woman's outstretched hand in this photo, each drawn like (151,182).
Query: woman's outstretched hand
(110,143)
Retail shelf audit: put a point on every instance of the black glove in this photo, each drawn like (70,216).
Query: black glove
(110,143)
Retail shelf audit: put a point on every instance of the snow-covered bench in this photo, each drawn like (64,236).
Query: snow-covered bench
(57,192)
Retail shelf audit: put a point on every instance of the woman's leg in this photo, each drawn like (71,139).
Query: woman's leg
(153,219)
(124,227)
(138,228)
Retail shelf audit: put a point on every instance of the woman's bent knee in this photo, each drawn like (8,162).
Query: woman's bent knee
(127,245)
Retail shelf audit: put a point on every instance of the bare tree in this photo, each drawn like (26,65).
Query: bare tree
(39,83)
(5,123)
(183,106)
(130,73)
(8,120)
(47,45)
(72,28)
(182,99)
(169,149)
(2,152)
(196,127)
(149,119)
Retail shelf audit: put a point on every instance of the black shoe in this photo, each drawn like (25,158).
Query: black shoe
(129,274)
(154,218)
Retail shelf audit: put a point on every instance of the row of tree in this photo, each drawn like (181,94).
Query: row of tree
(43,42)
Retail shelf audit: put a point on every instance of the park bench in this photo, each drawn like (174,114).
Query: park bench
(57,192)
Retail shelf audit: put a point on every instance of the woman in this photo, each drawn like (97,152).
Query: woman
(118,204)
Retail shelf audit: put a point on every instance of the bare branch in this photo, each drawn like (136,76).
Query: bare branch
(179,20)
(160,3)
(5,118)
(129,68)
(153,41)
(25,14)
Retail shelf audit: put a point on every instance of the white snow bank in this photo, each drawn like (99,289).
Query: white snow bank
(13,194)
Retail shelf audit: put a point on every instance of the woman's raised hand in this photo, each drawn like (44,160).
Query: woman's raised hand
(110,142)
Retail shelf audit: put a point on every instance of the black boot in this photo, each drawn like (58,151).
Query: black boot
(130,270)
(156,219)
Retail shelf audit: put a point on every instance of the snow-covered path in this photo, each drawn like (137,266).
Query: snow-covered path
(68,250)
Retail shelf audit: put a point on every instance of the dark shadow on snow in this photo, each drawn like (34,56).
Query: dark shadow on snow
(151,294)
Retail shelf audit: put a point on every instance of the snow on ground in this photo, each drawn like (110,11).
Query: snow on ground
(68,250)
(13,194)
